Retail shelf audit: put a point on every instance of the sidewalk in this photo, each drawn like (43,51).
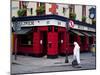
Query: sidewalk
(28,64)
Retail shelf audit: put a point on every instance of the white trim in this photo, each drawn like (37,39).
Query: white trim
(83,28)
(53,22)
(45,23)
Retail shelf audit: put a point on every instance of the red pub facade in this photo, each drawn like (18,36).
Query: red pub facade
(51,35)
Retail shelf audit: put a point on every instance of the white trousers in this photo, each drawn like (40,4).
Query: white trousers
(77,55)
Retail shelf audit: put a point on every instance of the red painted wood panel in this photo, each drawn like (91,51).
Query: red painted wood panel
(52,43)
(25,49)
(86,45)
(36,43)
(43,28)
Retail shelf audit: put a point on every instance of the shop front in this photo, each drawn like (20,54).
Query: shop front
(84,39)
(49,35)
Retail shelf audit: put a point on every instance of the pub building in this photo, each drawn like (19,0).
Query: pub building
(51,35)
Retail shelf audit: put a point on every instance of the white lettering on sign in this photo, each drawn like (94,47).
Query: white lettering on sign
(83,28)
(91,29)
(44,23)
(55,23)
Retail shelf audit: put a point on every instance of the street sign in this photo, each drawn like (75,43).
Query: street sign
(71,24)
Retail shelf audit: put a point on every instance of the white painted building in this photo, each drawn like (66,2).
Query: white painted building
(60,9)
(14,7)
(54,32)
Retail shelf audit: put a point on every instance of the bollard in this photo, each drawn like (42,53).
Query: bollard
(66,59)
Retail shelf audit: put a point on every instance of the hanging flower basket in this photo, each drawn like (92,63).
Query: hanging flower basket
(72,15)
(93,21)
(21,12)
(40,10)
(83,18)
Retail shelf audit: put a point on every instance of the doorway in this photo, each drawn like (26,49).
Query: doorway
(60,42)
(44,42)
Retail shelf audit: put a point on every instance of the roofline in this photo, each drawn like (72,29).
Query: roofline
(51,16)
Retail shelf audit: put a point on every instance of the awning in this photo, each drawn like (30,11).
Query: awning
(77,32)
(86,33)
(93,34)
(23,31)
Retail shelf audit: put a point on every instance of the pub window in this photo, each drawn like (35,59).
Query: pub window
(55,28)
(26,40)
(49,28)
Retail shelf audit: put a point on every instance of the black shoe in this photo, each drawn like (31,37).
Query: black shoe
(77,66)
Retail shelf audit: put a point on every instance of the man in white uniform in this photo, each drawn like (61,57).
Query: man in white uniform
(76,52)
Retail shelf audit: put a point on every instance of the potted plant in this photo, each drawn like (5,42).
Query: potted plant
(40,10)
(93,21)
(22,12)
(73,15)
(83,18)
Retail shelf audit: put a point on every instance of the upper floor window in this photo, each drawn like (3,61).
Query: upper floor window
(31,11)
(84,13)
(40,8)
(22,8)
(41,4)
(72,14)
(84,10)
(72,8)
(64,10)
